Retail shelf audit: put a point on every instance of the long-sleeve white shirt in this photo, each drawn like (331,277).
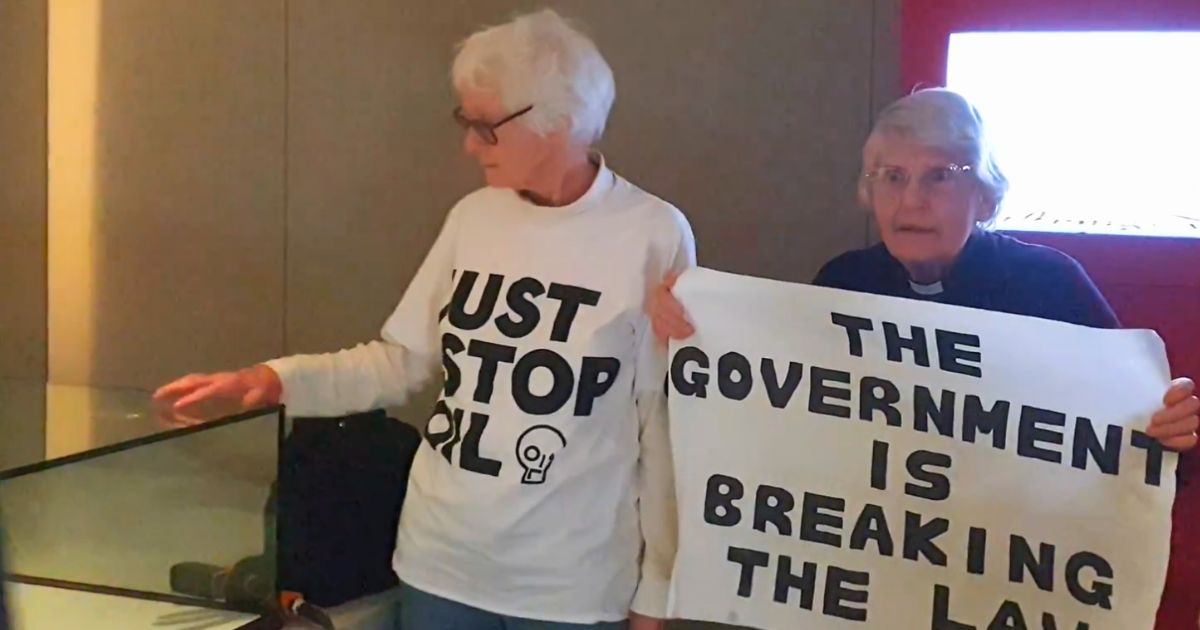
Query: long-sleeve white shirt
(544,486)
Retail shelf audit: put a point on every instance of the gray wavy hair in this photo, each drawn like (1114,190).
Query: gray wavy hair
(940,119)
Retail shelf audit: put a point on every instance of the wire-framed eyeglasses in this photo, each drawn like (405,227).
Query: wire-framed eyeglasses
(894,180)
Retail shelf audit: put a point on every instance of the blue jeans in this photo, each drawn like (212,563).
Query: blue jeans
(422,611)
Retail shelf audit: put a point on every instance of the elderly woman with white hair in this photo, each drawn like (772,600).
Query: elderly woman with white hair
(542,497)
(934,187)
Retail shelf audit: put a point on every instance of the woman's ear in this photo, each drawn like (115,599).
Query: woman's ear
(986,208)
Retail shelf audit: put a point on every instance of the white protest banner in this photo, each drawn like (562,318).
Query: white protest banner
(846,460)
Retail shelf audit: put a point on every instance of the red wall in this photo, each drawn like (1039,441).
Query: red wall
(1151,282)
(926,24)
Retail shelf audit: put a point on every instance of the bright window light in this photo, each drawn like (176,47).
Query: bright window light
(1097,132)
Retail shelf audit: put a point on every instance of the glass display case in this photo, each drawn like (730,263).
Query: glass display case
(119,513)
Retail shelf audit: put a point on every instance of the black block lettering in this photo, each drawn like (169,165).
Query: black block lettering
(837,595)
(570,299)
(1009,617)
(520,301)
(941,611)
(697,384)
(772,506)
(451,345)
(780,393)
(596,377)
(937,485)
(1022,562)
(821,391)
(560,391)
(879,464)
(976,550)
(854,328)
(459,317)
(978,420)
(896,344)
(445,310)
(449,438)
(955,350)
(438,438)
(918,538)
(469,457)
(1037,426)
(490,356)
(750,560)
(1107,456)
(1154,456)
(1099,592)
(786,582)
(941,413)
(719,508)
(872,525)
(877,394)
(812,519)
(733,376)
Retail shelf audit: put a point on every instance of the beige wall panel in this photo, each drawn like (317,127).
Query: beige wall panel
(748,116)
(166,187)
(885,67)
(23,189)
(886,71)
(373,158)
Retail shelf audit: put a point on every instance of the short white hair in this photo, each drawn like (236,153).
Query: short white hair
(540,59)
(940,119)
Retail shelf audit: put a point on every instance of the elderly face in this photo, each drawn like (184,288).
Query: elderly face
(925,205)
(518,154)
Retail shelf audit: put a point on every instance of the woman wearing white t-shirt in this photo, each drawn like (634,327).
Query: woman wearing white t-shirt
(542,495)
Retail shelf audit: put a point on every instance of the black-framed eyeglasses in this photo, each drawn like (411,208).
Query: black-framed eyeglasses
(486,130)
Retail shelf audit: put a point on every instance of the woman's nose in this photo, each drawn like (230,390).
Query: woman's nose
(471,142)
(914,194)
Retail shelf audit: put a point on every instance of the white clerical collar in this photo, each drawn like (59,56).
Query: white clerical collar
(926,289)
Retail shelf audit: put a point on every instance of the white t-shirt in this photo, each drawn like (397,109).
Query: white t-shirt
(546,465)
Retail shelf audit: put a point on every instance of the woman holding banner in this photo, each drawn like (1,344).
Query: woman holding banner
(934,187)
(931,181)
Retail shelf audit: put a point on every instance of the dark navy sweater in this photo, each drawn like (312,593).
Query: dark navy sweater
(993,272)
